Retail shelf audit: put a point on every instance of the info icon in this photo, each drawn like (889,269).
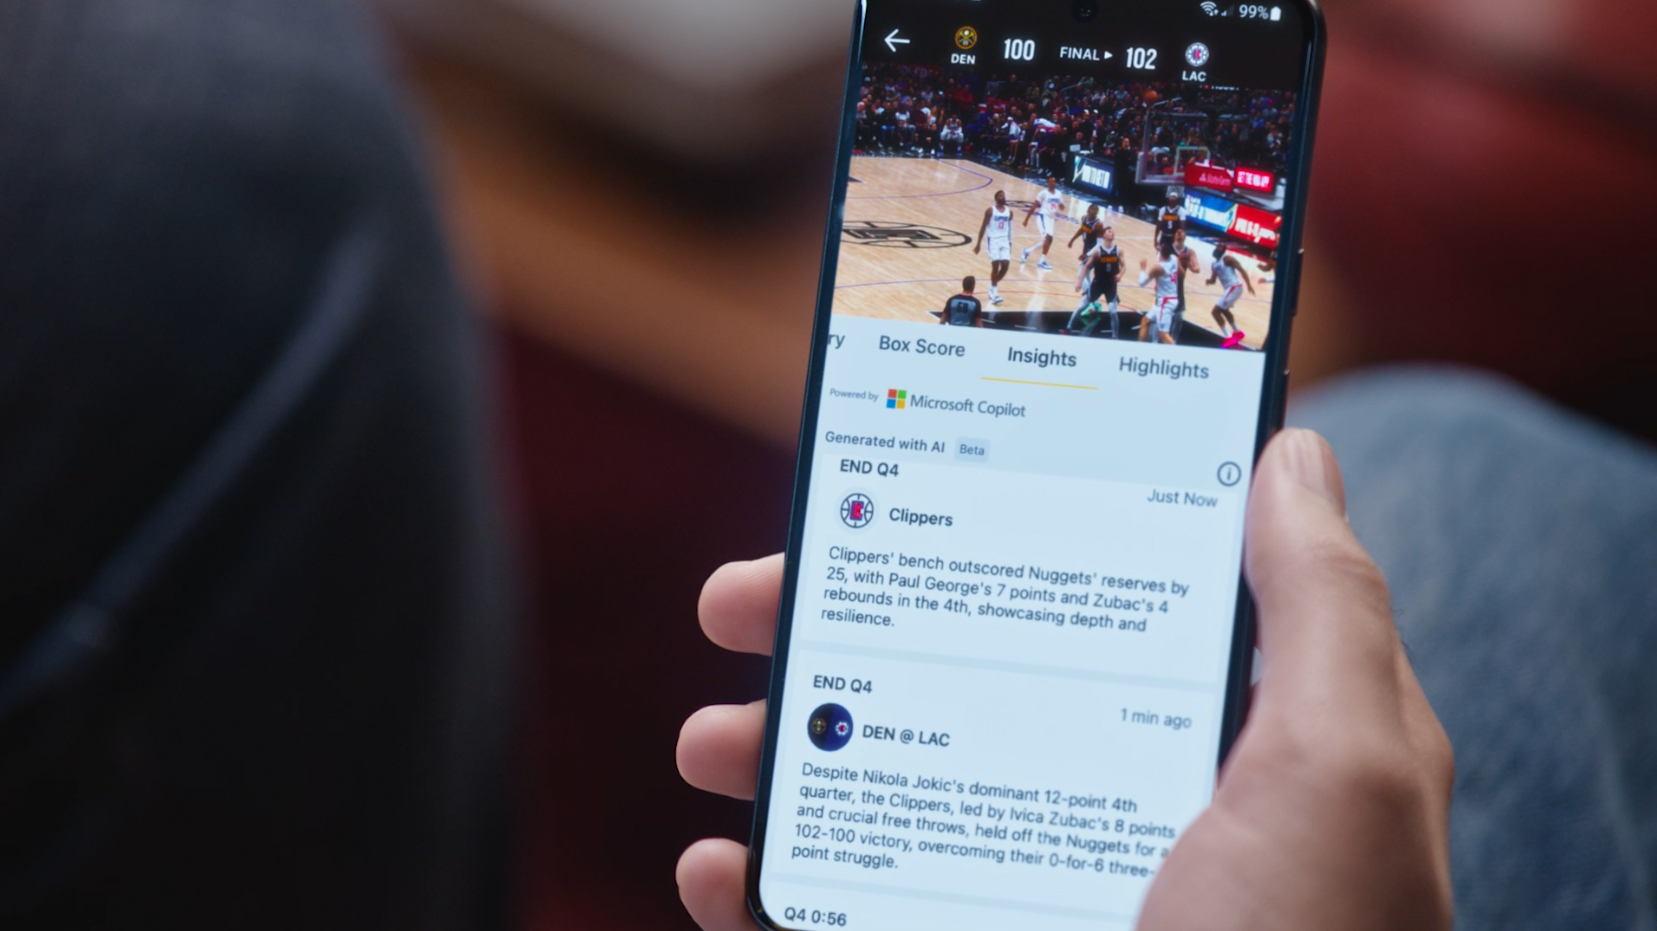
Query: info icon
(830,727)
(857,510)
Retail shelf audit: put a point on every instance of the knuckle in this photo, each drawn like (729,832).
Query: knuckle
(1328,560)
(1389,773)
(1440,755)
(1373,783)
(1345,566)
(1342,556)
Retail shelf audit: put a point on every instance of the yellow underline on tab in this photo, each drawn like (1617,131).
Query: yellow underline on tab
(1044,384)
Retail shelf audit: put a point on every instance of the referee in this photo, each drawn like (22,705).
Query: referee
(963,309)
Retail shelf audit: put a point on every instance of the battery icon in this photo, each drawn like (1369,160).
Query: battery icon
(1277,13)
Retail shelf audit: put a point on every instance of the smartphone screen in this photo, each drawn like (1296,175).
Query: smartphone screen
(1014,643)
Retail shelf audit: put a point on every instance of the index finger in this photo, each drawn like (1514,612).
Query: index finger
(739,604)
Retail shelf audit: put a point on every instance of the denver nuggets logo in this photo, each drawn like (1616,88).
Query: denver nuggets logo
(830,727)
(891,235)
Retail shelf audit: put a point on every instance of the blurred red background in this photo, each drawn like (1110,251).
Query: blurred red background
(1480,192)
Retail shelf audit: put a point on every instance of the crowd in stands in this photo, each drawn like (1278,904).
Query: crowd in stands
(1033,122)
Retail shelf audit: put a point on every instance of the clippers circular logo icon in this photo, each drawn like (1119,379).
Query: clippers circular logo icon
(857,511)
(966,37)
(830,727)
(1197,55)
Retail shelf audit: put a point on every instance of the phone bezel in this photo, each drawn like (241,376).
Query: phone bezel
(1274,395)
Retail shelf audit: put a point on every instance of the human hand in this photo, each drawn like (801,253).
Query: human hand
(1332,810)
(719,746)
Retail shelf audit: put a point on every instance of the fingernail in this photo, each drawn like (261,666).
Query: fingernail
(1313,465)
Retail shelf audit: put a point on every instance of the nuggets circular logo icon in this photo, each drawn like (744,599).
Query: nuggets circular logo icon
(1197,55)
(830,727)
(857,510)
(966,37)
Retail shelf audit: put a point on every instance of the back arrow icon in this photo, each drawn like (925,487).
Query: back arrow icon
(892,41)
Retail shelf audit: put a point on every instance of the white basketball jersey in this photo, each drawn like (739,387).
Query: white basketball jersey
(1001,224)
(1052,203)
(1228,275)
(1167,284)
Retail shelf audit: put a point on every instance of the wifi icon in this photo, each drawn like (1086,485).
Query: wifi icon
(1211,8)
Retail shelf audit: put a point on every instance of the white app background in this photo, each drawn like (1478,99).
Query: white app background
(1030,635)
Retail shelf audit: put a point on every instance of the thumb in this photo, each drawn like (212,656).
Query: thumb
(1325,619)
(1333,808)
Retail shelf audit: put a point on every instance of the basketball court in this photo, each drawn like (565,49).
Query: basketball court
(910,225)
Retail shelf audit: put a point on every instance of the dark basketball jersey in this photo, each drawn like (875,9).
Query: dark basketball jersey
(962,310)
(1184,256)
(1168,222)
(1090,236)
(1107,264)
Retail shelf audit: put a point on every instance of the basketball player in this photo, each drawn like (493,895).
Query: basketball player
(1105,260)
(1232,275)
(998,223)
(1090,229)
(952,135)
(1048,205)
(963,309)
(1267,267)
(1187,263)
(1169,220)
(1166,276)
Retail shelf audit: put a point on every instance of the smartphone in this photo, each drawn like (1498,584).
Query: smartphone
(1014,643)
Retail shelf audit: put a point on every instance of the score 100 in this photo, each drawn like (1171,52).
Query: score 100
(1018,49)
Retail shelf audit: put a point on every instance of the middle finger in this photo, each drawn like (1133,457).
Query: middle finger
(719,749)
